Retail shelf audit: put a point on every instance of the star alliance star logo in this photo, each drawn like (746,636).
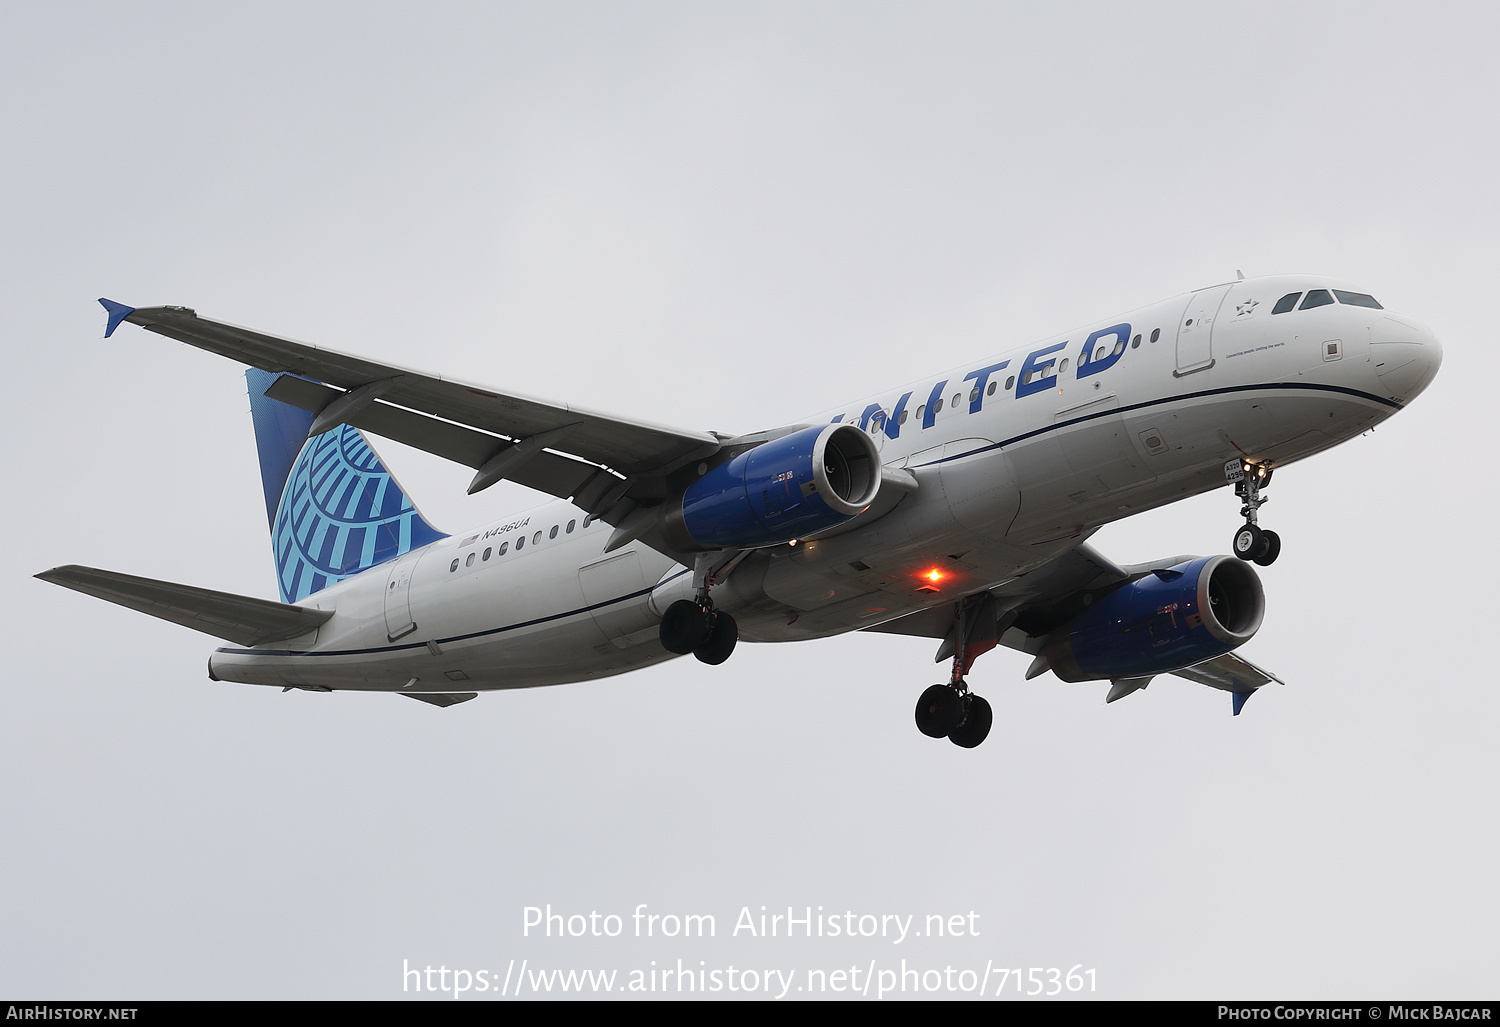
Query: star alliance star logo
(1248,307)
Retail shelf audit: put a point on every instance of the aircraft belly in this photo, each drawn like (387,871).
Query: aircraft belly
(1050,494)
(501,623)
(981,492)
(565,650)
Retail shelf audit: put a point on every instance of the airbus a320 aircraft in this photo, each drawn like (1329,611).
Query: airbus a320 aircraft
(956,506)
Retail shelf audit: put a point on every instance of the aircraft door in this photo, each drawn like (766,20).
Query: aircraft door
(398,619)
(1195,329)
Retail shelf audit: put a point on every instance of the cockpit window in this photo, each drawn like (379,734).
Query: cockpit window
(1286,303)
(1357,299)
(1316,298)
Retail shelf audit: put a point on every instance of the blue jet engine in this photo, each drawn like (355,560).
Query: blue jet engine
(1165,621)
(785,489)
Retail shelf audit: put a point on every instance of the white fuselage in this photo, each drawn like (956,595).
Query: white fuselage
(1018,458)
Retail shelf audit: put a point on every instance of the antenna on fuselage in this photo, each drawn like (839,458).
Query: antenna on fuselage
(1240,273)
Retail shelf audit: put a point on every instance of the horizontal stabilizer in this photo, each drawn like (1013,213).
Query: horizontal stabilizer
(239,619)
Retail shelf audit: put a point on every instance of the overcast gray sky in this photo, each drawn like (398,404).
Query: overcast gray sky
(727,216)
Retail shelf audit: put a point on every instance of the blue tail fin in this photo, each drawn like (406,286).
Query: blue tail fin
(333,508)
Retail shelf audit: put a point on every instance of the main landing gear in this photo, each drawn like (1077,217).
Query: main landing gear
(707,633)
(952,711)
(695,626)
(1252,542)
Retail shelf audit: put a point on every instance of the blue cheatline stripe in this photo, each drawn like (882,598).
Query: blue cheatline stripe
(461,638)
(1291,386)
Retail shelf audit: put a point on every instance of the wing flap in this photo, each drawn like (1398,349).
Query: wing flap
(241,619)
(1229,673)
(450,441)
(544,471)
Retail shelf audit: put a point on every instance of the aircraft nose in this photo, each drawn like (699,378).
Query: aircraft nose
(1405,354)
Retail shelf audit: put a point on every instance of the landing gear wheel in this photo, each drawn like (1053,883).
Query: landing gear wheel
(1272,548)
(976,725)
(684,627)
(939,711)
(715,649)
(1249,542)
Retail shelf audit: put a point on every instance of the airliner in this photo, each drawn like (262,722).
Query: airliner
(957,506)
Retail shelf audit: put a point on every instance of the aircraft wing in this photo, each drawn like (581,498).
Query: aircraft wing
(240,619)
(1029,606)
(592,458)
(1023,612)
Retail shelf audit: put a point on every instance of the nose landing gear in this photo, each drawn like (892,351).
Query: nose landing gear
(1252,542)
(952,711)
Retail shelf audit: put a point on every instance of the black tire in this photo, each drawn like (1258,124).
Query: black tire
(976,726)
(1249,542)
(1272,549)
(720,642)
(939,711)
(683,627)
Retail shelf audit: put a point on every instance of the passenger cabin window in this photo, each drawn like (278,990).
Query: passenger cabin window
(503,547)
(470,561)
(520,543)
(553,532)
(1286,303)
(487,552)
(536,539)
(1357,299)
(571,526)
(1316,298)
(453,566)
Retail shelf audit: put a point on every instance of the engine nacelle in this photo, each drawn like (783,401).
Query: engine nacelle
(784,489)
(1168,620)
